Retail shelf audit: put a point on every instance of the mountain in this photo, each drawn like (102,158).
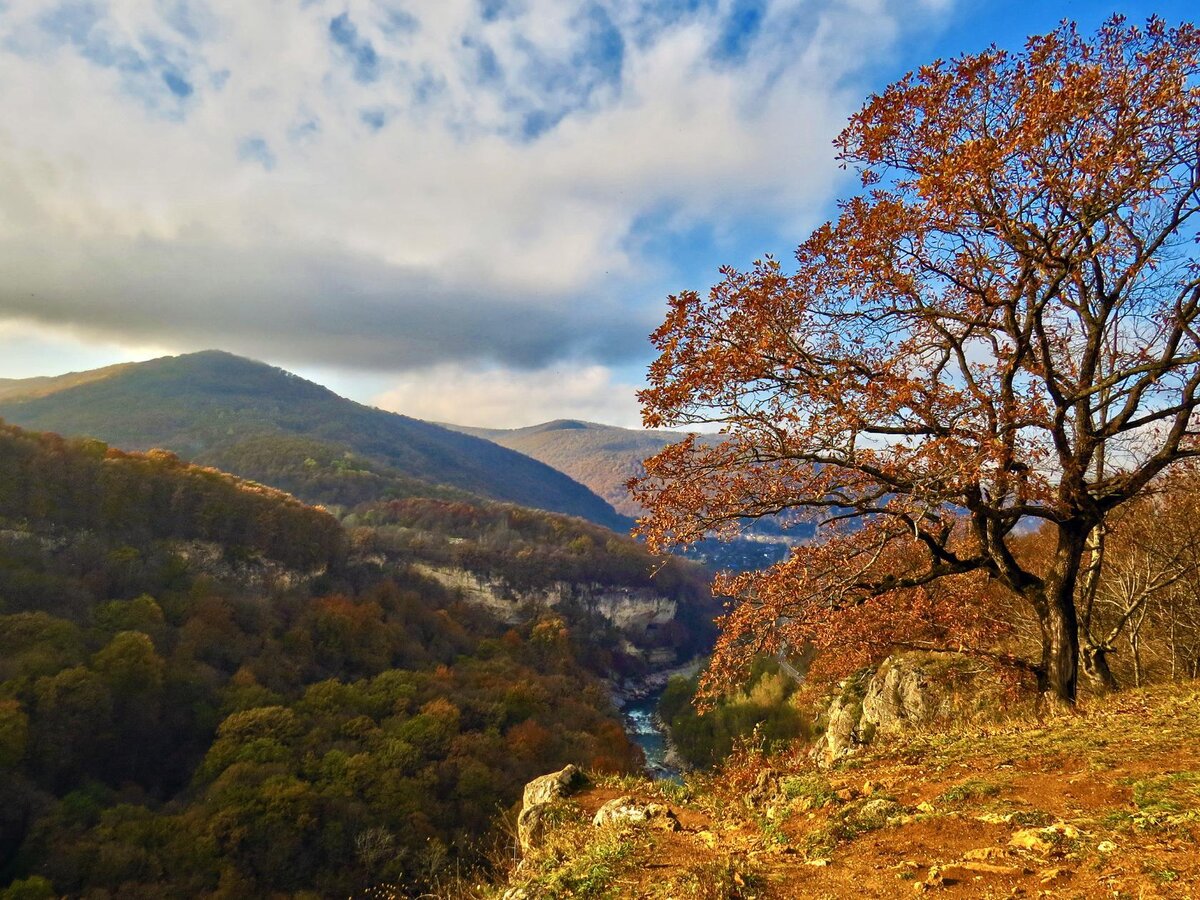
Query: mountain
(602,457)
(264,423)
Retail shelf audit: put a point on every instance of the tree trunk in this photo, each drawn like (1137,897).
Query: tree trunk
(1060,651)
(1174,650)
(1096,668)
(1135,647)
(1058,619)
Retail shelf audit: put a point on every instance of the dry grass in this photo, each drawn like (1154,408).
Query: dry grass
(1103,801)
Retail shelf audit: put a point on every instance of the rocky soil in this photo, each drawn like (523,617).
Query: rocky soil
(1102,802)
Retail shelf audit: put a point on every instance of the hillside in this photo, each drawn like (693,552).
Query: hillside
(263,423)
(1100,803)
(603,457)
(26,388)
(54,486)
(638,614)
(205,693)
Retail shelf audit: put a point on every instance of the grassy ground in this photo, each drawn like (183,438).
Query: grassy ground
(1101,802)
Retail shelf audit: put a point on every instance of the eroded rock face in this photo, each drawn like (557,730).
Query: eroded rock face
(632,610)
(533,819)
(841,736)
(901,693)
(907,690)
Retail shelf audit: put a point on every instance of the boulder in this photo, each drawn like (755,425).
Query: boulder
(907,690)
(552,787)
(622,810)
(533,820)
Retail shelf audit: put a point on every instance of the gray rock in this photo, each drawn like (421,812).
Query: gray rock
(766,786)
(534,819)
(843,730)
(532,824)
(552,787)
(625,809)
(872,814)
(907,690)
(901,693)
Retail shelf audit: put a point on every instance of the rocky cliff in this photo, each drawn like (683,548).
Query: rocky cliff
(907,691)
(632,610)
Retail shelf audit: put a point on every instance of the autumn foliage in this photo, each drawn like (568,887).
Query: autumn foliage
(998,331)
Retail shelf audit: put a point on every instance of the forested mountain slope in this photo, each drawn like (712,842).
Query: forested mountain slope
(49,485)
(205,693)
(641,613)
(41,386)
(264,423)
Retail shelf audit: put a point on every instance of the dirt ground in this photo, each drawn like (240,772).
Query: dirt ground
(1102,802)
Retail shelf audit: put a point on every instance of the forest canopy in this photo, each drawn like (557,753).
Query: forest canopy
(273,716)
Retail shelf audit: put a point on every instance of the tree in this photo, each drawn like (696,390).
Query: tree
(999,330)
(1148,574)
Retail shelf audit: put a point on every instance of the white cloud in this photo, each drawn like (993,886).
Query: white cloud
(407,187)
(503,398)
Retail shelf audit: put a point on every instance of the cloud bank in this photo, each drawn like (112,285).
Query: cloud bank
(503,399)
(500,185)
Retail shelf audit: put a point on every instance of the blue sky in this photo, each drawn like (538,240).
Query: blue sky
(471,210)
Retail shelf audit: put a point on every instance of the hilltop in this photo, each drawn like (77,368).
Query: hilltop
(270,425)
(1104,802)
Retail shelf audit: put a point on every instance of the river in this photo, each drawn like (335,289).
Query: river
(643,728)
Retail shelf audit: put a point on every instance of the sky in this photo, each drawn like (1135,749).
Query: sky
(463,210)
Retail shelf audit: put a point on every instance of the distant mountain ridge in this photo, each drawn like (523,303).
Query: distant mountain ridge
(265,423)
(41,386)
(602,457)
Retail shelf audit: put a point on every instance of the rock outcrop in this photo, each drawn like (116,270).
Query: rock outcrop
(539,795)
(541,809)
(908,690)
(902,692)
(622,810)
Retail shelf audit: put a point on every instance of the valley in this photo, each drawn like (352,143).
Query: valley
(445,641)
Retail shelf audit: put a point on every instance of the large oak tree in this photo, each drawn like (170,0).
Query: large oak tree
(998,331)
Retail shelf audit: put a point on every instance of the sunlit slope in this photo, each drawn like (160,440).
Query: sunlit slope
(262,422)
